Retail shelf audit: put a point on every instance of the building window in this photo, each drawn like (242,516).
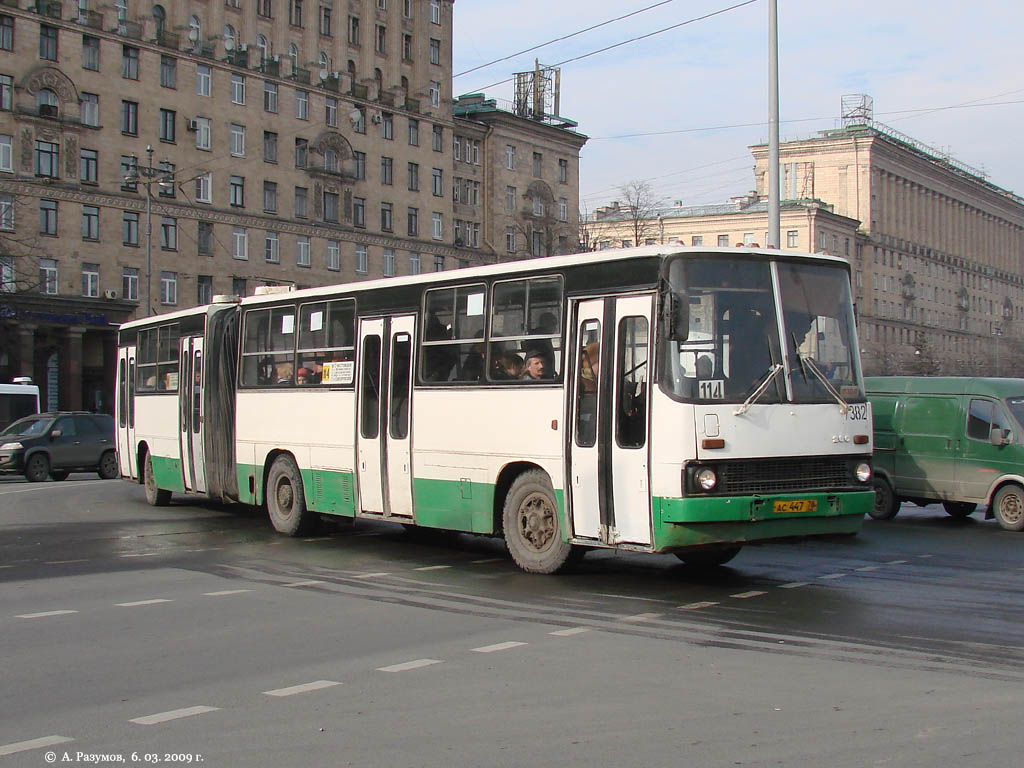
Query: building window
(168,233)
(202,133)
(270,196)
(359,160)
(435,93)
(437,226)
(6,212)
(130,118)
(435,11)
(169,288)
(47,42)
(439,263)
(237,140)
(301,105)
(90,52)
(325,21)
(204,187)
(510,157)
(697,240)
(236,189)
(301,202)
(386,169)
(204,239)
(331,111)
(438,138)
(510,239)
(302,251)
(295,13)
(435,51)
(6,153)
(168,72)
(240,243)
(204,289)
(333,256)
(90,109)
(130,283)
(537,161)
(48,276)
(48,217)
(130,228)
(358,212)
(406,47)
(90,222)
(414,132)
(414,222)
(128,182)
(386,223)
(438,182)
(563,209)
(204,80)
(6,33)
(414,263)
(413,173)
(6,90)
(353,30)
(389,262)
(792,238)
(563,171)
(723,241)
(381,41)
(167,120)
(331,207)
(269,96)
(361,260)
(387,126)
(538,206)
(272,247)
(237,88)
(129,62)
(265,8)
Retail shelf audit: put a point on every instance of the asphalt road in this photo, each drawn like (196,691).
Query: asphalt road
(193,633)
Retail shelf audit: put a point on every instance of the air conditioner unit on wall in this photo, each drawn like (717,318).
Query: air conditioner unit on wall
(377,117)
(110,294)
(192,124)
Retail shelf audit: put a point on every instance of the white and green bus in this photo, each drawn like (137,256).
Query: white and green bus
(656,399)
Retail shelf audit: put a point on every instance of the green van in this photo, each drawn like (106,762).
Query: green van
(954,440)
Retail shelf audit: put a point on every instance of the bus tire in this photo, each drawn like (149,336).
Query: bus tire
(1008,507)
(959,509)
(109,468)
(156,497)
(533,532)
(37,468)
(286,499)
(886,504)
(709,558)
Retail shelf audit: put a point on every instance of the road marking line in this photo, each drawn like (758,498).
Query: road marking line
(698,606)
(896,562)
(63,562)
(310,583)
(6,566)
(24,746)
(406,665)
(304,688)
(570,632)
(751,593)
(793,585)
(498,647)
(868,568)
(487,560)
(141,554)
(44,614)
(369,575)
(144,602)
(226,592)
(924,557)
(832,576)
(174,714)
(641,617)
(432,568)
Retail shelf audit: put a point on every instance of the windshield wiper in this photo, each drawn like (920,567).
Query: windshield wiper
(808,362)
(756,394)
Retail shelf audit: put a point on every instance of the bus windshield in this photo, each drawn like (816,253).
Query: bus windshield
(733,350)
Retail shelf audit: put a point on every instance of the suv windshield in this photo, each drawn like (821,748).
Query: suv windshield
(29,427)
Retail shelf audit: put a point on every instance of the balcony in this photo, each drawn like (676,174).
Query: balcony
(303,76)
(238,57)
(130,29)
(332,83)
(90,19)
(49,8)
(360,91)
(168,39)
(271,67)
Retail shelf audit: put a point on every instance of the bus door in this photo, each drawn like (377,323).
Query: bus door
(126,411)
(190,401)
(608,453)
(383,450)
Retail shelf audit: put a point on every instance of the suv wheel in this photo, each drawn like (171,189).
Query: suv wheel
(109,469)
(38,468)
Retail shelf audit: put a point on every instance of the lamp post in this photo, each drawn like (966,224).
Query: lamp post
(998,331)
(164,179)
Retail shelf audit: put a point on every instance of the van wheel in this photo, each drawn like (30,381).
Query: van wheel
(886,503)
(1008,507)
(533,532)
(709,558)
(286,499)
(156,497)
(38,468)
(959,509)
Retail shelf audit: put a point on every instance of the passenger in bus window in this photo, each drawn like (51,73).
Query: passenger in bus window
(547,323)
(302,376)
(589,362)
(505,365)
(284,373)
(533,366)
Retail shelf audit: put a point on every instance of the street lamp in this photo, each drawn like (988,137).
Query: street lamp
(165,180)
(997,331)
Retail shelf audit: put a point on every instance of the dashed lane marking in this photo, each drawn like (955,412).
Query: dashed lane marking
(746,595)
(569,632)
(309,583)
(698,606)
(833,576)
(432,568)
(487,560)
(64,562)
(868,568)
(144,602)
(407,665)
(224,592)
(924,557)
(793,585)
(24,746)
(140,554)
(498,647)
(304,688)
(896,562)
(174,714)
(641,617)
(44,614)
(370,575)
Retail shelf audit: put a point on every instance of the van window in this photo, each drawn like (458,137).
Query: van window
(982,417)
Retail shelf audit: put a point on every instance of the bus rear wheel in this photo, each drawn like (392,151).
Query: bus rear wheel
(530,520)
(156,497)
(1008,507)
(286,499)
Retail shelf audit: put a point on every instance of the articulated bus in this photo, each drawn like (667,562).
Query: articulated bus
(656,399)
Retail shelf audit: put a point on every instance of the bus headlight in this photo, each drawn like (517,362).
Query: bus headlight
(706,478)
(863,472)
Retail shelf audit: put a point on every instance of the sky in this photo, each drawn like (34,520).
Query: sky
(949,74)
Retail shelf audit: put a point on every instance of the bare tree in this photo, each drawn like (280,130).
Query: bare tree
(632,219)
(19,251)
(641,208)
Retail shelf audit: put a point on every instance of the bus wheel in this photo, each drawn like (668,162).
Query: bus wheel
(286,499)
(156,497)
(1008,506)
(38,468)
(532,530)
(709,558)
(886,504)
(959,509)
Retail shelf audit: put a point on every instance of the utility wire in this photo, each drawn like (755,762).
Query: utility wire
(560,39)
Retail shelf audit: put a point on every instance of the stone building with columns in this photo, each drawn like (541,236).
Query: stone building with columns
(153,155)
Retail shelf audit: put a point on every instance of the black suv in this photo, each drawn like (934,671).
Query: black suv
(56,444)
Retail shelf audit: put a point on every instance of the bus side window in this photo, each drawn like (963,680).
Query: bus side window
(631,384)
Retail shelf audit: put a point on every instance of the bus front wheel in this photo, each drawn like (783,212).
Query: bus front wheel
(286,499)
(886,504)
(156,497)
(530,519)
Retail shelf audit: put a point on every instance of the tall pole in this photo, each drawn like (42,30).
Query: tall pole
(774,226)
(149,231)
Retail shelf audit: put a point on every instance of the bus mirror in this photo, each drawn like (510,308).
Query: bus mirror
(677,309)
